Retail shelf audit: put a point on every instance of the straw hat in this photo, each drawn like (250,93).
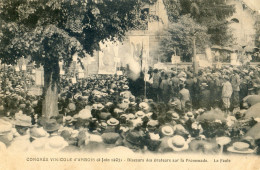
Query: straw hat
(125,87)
(204,84)
(144,106)
(72,107)
(166,130)
(85,114)
(153,123)
(118,111)
(140,114)
(174,115)
(240,147)
(23,120)
(112,122)
(188,115)
(130,116)
(178,143)
(38,132)
(38,144)
(56,143)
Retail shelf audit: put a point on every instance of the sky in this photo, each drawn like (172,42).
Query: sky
(254,4)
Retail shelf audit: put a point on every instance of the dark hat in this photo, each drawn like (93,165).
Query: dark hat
(110,138)
(41,121)
(104,115)
(134,137)
(51,125)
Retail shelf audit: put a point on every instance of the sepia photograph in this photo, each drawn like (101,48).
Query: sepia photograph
(129,84)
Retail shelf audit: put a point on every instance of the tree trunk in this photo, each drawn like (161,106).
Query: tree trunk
(50,90)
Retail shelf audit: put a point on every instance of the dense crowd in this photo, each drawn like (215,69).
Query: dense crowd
(213,112)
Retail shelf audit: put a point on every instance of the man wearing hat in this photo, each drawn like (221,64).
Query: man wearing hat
(226,93)
(155,84)
(175,81)
(205,96)
(51,126)
(235,82)
(184,96)
(165,88)
(22,123)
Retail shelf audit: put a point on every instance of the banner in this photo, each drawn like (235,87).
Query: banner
(140,50)
(119,73)
(107,55)
(176,59)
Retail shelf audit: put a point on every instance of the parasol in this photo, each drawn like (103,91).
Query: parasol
(254,131)
(253,111)
(250,48)
(212,115)
(237,47)
(252,99)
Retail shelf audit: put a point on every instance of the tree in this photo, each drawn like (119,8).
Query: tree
(181,37)
(173,9)
(49,31)
(210,13)
(213,14)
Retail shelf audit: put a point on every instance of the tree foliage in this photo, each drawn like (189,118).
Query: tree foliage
(49,31)
(180,38)
(209,13)
(31,27)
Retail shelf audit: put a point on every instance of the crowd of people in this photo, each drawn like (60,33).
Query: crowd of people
(222,88)
(213,112)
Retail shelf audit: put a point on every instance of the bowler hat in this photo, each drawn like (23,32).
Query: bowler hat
(51,125)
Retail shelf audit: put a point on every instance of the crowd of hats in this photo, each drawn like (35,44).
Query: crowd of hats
(101,114)
(14,94)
